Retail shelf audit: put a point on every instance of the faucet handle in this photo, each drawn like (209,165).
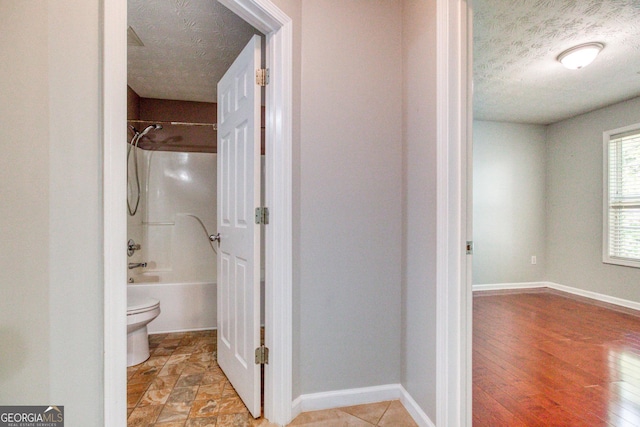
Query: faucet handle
(133,265)
(132,247)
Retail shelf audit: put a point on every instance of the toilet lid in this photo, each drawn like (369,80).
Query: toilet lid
(137,304)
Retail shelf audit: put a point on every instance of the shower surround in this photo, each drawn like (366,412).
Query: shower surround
(177,213)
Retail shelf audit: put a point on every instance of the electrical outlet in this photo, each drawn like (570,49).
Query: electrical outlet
(534,261)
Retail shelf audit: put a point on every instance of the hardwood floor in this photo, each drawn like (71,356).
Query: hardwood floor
(547,358)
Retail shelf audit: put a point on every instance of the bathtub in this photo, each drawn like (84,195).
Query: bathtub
(183,306)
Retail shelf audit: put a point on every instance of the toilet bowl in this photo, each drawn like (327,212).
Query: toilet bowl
(140,311)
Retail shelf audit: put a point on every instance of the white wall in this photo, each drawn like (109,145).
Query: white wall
(419,203)
(350,195)
(574,206)
(508,202)
(24,206)
(51,207)
(51,270)
(75,209)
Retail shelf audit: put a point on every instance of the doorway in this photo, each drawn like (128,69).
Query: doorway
(267,18)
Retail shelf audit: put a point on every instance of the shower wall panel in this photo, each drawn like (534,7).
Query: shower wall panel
(180,213)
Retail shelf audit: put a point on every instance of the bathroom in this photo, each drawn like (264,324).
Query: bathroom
(175,212)
(171,198)
(172,160)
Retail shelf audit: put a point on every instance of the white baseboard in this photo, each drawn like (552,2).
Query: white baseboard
(414,409)
(596,296)
(509,286)
(361,396)
(171,331)
(551,285)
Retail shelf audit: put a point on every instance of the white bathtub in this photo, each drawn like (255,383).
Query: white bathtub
(183,306)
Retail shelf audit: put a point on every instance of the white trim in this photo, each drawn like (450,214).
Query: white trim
(114,115)
(277,27)
(595,296)
(568,289)
(416,412)
(606,258)
(173,331)
(361,396)
(453,313)
(509,286)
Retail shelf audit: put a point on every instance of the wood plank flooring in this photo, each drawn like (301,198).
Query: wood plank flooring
(546,358)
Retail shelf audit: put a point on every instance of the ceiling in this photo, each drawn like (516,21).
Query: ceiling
(188,46)
(516,75)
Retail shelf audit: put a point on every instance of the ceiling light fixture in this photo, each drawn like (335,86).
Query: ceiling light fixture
(580,56)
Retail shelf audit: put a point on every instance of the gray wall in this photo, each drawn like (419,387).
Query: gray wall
(574,207)
(419,203)
(350,195)
(51,272)
(508,202)
(348,203)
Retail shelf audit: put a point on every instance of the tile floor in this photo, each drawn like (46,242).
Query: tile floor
(181,385)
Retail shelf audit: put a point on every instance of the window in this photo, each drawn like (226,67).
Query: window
(621,236)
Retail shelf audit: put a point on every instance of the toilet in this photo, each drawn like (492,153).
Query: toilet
(140,311)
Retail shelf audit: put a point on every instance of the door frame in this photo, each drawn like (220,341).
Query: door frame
(453,154)
(278,29)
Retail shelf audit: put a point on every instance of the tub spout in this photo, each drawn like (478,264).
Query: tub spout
(133,265)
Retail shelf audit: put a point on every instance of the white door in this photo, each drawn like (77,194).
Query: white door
(239,250)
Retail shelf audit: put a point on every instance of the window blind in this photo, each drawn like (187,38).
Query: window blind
(624,196)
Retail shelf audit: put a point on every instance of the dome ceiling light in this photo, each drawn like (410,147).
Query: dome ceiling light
(580,56)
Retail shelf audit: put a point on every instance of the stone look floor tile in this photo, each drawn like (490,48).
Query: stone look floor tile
(235,420)
(229,391)
(154,397)
(134,393)
(170,424)
(183,374)
(202,422)
(178,358)
(396,416)
(162,351)
(144,415)
(184,395)
(162,382)
(173,369)
(329,417)
(189,380)
(371,413)
(174,412)
(155,361)
(204,408)
(231,405)
(211,391)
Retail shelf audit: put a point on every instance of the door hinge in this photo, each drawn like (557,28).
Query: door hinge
(262,355)
(469,247)
(262,215)
(262,76)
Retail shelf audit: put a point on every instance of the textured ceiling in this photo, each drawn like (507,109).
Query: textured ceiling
(188,46)
(516,42)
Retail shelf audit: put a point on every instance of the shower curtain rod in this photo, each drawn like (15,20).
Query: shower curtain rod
(214,125)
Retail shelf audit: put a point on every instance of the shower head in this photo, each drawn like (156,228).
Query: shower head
(148,128)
